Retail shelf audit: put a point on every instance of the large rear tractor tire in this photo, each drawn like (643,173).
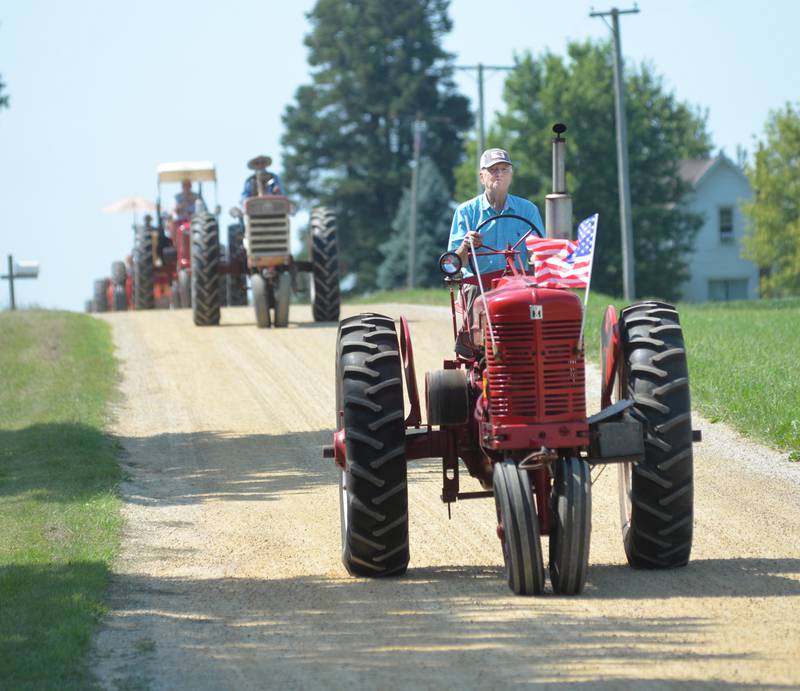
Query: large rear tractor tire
(237,282)
(100,299)
(261,301)
(373,489)
(120,298)
(205,270)
(283,297)
(324,283)
(516,513)
(656,495)
(143,270)
(119,273)
(571,510)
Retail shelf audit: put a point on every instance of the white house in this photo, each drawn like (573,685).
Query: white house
(717,269)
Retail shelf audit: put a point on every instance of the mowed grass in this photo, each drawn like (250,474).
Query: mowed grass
(744,359)
(743,363)
(59,511)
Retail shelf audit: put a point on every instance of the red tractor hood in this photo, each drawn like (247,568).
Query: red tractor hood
(517,299)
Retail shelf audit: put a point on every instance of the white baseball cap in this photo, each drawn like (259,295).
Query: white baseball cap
(492,156)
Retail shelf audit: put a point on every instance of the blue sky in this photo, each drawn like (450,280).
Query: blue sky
(103,91)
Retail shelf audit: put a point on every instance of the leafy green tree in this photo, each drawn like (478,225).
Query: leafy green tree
(773,234)
(434,215)
(349,134)
(579,92)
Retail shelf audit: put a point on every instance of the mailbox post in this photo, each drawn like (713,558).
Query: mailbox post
(25,269)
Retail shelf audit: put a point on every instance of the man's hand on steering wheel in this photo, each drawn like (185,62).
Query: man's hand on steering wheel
(476,237)
(464,248)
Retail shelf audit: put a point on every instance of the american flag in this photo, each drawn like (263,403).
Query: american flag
(571,265)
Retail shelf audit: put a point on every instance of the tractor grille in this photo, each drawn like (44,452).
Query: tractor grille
(512,377)
(538,377)
(564,378)
(267,234)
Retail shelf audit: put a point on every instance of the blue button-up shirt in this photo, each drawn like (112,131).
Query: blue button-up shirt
(497,234)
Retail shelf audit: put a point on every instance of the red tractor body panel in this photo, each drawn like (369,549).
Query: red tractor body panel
(109,294)
(534,379)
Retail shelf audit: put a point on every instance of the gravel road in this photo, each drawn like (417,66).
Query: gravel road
(229,575)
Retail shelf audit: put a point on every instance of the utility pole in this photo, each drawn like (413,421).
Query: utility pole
(11,281)
(480,68)
(412,231)
(626,227)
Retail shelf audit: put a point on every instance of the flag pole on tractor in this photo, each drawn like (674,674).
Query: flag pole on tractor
(563,263)
(592,220)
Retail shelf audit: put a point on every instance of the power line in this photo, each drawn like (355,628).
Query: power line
(626,225)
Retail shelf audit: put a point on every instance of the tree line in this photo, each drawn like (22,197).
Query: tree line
(348,143)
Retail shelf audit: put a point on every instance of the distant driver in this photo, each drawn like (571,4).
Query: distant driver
(272,183)
(185,202)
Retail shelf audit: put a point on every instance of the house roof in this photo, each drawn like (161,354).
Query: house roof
(693,170)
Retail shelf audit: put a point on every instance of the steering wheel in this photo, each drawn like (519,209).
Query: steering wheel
(533,229)
(515,216)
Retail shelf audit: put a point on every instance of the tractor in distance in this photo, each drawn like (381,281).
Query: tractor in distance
(162,257)
(112,294)
(259,246)
(510,405)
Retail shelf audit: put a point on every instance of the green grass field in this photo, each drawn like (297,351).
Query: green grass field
(743,359)
(59,509)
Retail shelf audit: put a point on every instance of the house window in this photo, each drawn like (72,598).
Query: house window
(722,290)
(726,224)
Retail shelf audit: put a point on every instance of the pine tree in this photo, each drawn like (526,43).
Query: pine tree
(348,139)
(3,97)
(434,215)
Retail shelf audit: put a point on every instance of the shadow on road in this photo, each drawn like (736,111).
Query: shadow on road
(327,632)
(202,466)
(702,578)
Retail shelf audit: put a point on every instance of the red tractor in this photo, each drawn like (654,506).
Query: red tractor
(259,246)
(162,255)
(112,294)
(511,406)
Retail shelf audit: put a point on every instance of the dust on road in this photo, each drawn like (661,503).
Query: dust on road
(229,576)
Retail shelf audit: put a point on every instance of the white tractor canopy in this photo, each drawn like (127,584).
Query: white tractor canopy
(196,171)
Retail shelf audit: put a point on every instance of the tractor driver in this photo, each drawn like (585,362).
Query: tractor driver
(272,183)
(496,174)
(185,202)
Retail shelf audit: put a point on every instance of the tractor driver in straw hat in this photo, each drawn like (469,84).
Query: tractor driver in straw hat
(272,184)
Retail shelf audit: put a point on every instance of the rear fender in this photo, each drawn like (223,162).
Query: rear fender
(609,355)
(414,418)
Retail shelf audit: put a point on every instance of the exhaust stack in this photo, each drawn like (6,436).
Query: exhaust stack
(558,204)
